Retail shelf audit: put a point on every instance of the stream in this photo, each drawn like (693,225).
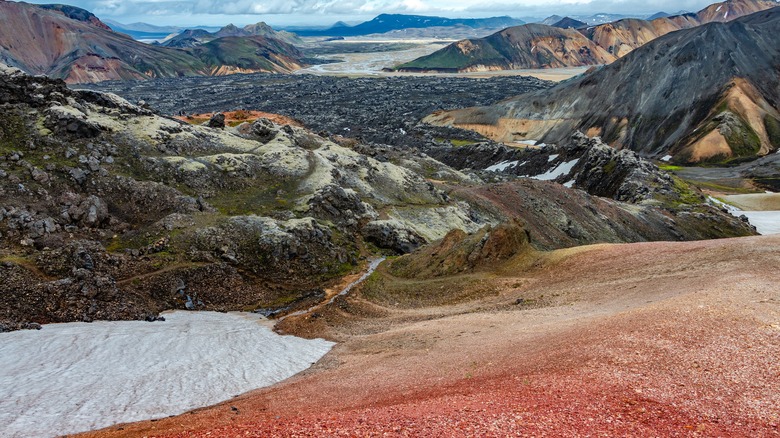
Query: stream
(371,268)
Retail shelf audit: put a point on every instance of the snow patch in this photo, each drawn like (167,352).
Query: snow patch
(502,166)
(569,184)
(552,157)
(561,169)
(68,378)
(666,158)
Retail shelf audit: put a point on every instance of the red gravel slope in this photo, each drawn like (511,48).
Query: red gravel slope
(658,339)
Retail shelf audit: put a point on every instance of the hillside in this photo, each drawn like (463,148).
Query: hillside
(518,48)
(111,212)
(80,48)
(659,339)
(235,54)
(702,94)
(527,46)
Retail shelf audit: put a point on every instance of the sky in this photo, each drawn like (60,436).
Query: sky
(326,12)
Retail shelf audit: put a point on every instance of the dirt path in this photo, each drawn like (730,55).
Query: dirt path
(661,339)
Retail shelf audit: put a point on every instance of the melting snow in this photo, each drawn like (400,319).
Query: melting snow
(552,157)
(68,378)
(502,166)
(666,158)
(561,169)
(569,184)
(719,8)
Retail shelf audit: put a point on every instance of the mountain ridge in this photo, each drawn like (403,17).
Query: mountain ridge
(390,22)
(718,111)
(617,38)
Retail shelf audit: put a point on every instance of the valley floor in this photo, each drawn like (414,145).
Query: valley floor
(649,339)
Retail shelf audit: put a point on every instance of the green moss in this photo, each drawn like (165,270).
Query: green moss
(670,167)
(722,188)
(13,132)
(262,198)
(743,140)
(772,126)
(610,167)
(687,195)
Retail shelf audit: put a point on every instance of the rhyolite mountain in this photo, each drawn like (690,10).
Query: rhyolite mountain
(390,22)
(531,46)
(527,46)
(108,211)
(72,44)
(706,94)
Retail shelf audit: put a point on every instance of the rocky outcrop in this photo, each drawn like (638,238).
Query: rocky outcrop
(340,206)
(600,170)
(460,253)
(111,212)
(393,235)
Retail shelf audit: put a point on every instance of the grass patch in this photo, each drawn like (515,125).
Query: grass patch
(260,199)
(382,288)
(670,167)
(722,188)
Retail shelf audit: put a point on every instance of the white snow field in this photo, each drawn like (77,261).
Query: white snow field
(75,377)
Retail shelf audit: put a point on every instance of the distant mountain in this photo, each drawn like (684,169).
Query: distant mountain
(72,44)
(569,23)
(528,46)
(146,31)
(587,20)
(601,18)
(706,94)
(659,15)
(389,22)
(196,37)
(141,28)
(552,19)
(664,15)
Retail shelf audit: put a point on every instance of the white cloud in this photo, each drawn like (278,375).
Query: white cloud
(325,10)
